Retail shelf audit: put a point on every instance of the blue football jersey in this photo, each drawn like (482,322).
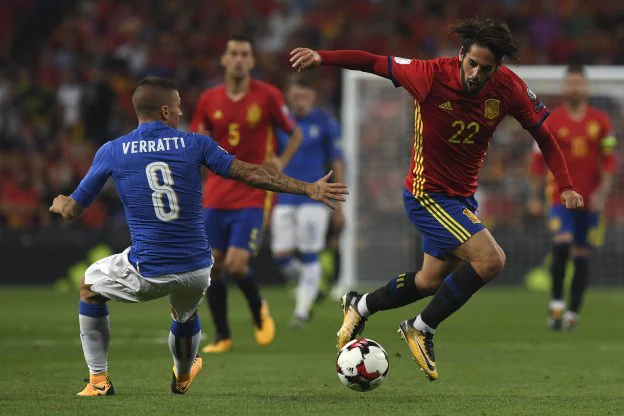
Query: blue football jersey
(157,172)
(320,146)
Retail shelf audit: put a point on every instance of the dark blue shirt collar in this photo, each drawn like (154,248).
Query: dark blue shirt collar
(151,125)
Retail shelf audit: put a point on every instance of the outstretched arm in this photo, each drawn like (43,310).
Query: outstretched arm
(536,184)
(557,165)
(304,58)
(264,177)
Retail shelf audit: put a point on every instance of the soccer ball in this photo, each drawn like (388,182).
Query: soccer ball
(362,365)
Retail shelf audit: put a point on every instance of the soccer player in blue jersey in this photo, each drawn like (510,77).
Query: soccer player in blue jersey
(299,224)
(157,171)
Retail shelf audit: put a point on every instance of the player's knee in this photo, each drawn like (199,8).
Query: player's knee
(85,291)
(236,269)
(578,251)
(88,296)
(430,285)
(563,238)
(495,262)
(282,254)
(491,263)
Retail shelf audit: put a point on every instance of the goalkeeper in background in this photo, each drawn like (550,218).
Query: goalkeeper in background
(585,136)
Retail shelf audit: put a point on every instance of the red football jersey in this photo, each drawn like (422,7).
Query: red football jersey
(588,148)
(244,128)
(452,130)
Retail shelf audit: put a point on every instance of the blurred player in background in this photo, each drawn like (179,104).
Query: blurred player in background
(585,136)
(241,115)
(299,225)
(157,172)
(459,102)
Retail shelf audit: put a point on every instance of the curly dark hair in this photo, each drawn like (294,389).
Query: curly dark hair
(487,33)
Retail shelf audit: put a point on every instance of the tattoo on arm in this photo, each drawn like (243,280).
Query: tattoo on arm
(263,177)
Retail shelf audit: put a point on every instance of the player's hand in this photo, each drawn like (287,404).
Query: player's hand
(326,192)
(572,200)
(338,219)
(598,201)
(304,58)
(535,207)
(58,204)
(274,162)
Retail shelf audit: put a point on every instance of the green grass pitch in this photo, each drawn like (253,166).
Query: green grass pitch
(495,357)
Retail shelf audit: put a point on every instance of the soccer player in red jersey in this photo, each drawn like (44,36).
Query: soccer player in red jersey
(241,115)
(585,136)
(459,102)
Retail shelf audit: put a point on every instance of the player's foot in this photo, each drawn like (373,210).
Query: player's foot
(556,309)
(180,385)
(266,333)
(421,345)
(297,322)
(570,321)
(352,322)
(98,385)
(218,346)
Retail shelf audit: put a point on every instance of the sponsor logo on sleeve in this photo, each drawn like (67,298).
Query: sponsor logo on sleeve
(402,61)
(531,95)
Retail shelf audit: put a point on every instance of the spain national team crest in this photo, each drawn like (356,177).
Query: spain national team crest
(218,115)
(254,114)
(593,129)
(492,109)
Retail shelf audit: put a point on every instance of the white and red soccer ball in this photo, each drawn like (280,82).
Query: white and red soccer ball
(362,365)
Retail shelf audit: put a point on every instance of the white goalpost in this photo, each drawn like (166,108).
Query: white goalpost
(377,124)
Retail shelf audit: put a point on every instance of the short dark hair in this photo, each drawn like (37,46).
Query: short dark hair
(242,38)
(151,94)
(487,33)
(576,68)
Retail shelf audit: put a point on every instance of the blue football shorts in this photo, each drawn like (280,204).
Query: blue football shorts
(579,223)
(242,228)
(445,222)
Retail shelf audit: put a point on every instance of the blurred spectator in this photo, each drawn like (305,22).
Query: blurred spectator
(72,92)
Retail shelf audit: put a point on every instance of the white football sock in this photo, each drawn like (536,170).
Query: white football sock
(308,289)
(362,307)
(183,352)
(420,325)
(558,304)
(292,269)
(95,338)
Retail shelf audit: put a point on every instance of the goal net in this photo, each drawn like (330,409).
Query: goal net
(380,242)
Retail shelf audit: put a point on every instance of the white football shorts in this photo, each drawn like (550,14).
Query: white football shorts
(299,227)
(115,278)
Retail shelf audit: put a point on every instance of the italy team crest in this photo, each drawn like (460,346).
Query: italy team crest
(492,109)
(254,114)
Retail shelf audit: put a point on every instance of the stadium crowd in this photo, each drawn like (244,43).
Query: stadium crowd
(72,91)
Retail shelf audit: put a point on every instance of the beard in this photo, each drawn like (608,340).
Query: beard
(469,86)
